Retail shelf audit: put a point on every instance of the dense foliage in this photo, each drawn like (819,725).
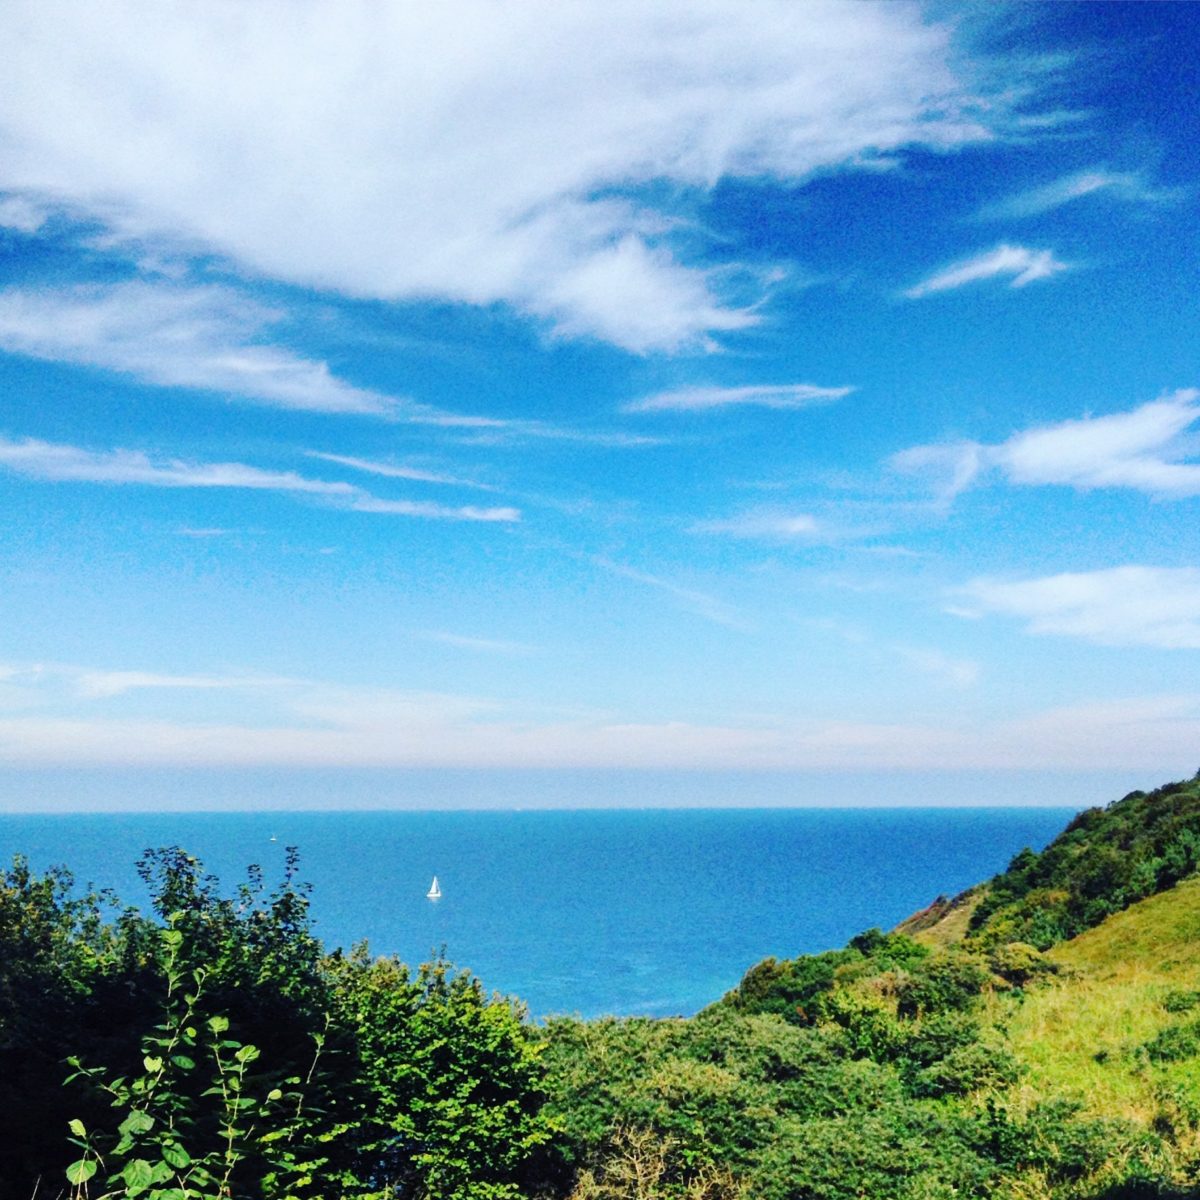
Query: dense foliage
(213,1048)
(1105,860)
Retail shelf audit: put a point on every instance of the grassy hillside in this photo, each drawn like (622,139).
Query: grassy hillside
(1119,1028)
(1057,1006)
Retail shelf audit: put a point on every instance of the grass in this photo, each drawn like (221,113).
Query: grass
(1082,1034)
(944,922)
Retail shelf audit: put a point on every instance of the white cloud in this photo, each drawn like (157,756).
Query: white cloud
(209,338)
(947,469)
(1018,264)
(60,463)
(769,525)
(437,512)
(467,151)
(481,645)
(1121,606)
(700,399)
(21,213)
(1124,185)
(398,471)
(1143,449)
(1133,449)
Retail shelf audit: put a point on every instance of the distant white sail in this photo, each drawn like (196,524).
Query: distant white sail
(435,892)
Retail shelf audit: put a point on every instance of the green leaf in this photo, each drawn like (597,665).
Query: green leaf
(138,1176)
(81,1171)
(247,1054)
(176,1155)
(76,1127)
(183,1062)
(152,1064)
(172,937)
(137,1122)
(218,1024)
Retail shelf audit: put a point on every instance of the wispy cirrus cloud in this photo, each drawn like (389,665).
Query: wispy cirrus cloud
(1120,606)
(769,525)
(480,645)
(1018,264)
(1143,449)
(705,399)
(709,607)
(505,514)
(390,470)
(206,338)
(61,463)
(54,462)
(1130,186)
(514,173)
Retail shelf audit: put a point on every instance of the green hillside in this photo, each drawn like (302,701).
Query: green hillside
(1119,1027)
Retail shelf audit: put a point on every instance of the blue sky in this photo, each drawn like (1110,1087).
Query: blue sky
(803,393)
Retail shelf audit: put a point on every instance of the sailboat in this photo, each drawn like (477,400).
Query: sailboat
(435,892)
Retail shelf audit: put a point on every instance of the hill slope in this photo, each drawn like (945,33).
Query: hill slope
(1119,1028)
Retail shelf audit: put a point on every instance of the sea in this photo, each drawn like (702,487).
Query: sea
(591,912)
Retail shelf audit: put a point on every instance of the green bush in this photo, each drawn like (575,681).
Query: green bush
(1175,1043)
(947,982)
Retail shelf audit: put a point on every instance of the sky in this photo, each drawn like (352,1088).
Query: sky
(726,401)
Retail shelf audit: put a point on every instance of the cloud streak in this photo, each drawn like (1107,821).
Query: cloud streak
(512,173)
(480,645)
(1130,186)
(705,399)
(390,470)
(1018,264)
(701,603)
(504,514)
(770,526)
(56,463)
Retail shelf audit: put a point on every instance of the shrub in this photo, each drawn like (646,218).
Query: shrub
(1175,1043)
(946,982)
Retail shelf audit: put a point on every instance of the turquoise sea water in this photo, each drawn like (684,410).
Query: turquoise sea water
(614,911)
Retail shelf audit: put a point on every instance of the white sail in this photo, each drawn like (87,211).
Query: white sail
(435,892)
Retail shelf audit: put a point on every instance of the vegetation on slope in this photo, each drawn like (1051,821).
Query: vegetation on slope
(1037,1037)
(1105,860)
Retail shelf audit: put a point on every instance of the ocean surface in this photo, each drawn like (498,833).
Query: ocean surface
(651,911)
